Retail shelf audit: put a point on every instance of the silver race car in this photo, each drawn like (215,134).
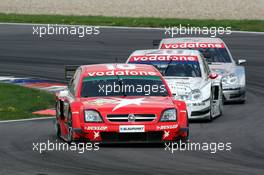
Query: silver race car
(189,78)
(220,61)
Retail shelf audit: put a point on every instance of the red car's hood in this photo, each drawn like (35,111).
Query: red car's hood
(126,105)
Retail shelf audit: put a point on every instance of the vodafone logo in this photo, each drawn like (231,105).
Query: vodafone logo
(162,58)
(121,72)
(113,70)
(192,45)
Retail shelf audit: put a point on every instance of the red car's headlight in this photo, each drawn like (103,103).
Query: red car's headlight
(92,116)
(169,115)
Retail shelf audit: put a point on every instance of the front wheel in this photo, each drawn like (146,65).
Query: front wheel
(186,138)
(70,131)
(210,117)
(57,129)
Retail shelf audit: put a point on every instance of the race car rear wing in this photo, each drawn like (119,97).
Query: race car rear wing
(156,42)
(70,70)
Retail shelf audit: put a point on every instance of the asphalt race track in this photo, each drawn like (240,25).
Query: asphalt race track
(23,54)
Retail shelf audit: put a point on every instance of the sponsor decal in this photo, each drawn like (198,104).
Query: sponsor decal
(101,101)
(131,128)
(121,72)
(178,87)
(96,134)
(218,71)
(163,58)
(131,118)
(199,104)
(163,127)
(98,128)
(119,101)
(192,45)
(125,102)
(166,134)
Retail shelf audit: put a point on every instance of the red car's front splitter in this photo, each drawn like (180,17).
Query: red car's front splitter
(135,133)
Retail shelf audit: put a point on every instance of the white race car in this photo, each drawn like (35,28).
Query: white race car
(189,79)
(220,61)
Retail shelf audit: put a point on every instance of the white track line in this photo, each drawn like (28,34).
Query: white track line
(25,120)
(118,27)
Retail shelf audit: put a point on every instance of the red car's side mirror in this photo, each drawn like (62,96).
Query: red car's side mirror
(213,75)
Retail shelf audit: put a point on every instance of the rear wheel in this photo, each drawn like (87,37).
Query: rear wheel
(210,117)
(221,104)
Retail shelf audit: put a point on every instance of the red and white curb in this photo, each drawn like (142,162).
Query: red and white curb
(25,120)
(35,84)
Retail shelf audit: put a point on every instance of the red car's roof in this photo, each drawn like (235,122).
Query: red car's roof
(119,69)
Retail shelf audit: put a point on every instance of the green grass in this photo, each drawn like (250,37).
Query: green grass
(17,102)
(245,25)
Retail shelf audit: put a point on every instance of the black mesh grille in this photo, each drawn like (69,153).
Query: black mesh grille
(125,118)
(110,137)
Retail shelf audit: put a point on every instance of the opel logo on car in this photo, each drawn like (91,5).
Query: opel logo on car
(131,117)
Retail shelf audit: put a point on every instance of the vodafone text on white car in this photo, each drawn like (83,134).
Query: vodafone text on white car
(188,77)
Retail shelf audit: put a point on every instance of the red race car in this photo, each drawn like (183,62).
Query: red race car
(119,103)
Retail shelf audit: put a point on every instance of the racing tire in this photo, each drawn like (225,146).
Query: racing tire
(57,129)
(210,117)
(70,130)
(186,138)
(57,125)
(241,102)
(221,105)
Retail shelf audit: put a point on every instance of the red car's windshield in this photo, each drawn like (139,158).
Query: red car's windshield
(123,86)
